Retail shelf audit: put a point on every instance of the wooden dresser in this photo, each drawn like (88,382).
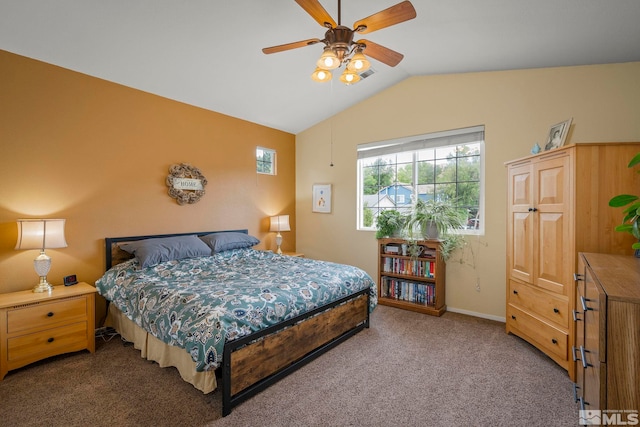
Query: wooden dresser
(607,319)
(557,207)
(34,326)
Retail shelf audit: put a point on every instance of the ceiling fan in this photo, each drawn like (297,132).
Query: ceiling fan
(340,48)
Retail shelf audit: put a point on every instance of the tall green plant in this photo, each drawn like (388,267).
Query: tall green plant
(631,220)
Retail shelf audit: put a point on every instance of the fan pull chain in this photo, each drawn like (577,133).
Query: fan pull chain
(331,117)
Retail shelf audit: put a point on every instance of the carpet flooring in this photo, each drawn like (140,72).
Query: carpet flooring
(407,369)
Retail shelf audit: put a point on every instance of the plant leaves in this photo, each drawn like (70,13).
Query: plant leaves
(625,228)
(622,200)
(634,161)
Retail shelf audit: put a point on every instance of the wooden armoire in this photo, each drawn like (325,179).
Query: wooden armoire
(558,206)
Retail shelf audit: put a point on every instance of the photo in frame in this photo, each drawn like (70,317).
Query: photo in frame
(321,198)
(557,135)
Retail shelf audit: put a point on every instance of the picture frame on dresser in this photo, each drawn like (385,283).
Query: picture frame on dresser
(557,135)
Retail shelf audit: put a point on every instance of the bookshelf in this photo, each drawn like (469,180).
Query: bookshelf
(415,283)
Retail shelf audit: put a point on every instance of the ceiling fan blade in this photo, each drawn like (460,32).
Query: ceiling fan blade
(317,12)
(394,15)
(288,46)
(381,53)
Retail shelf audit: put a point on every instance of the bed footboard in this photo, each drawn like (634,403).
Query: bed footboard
(254,362)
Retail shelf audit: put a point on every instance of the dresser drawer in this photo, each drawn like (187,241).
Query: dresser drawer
(46,315)
(551,307)
(551,339)
(38,345)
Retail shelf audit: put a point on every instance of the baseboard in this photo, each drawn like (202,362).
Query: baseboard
(476,314)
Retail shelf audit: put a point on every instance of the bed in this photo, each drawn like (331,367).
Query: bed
(218,310)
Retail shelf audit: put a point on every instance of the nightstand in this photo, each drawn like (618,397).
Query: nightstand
(34,326)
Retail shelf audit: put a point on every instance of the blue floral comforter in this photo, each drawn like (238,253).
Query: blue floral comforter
(199,303)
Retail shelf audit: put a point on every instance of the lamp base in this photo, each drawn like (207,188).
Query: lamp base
(43,286)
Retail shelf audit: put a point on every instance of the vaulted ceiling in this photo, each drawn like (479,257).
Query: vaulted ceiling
(208,52)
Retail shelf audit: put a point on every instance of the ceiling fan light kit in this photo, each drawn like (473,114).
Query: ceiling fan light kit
(321,75)
(349,77)
(328,60)
(340,49)
(358,63)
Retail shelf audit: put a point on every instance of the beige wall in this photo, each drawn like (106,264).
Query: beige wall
(517,109)
(97,154)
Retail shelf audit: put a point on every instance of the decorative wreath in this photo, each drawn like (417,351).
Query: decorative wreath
(177,174)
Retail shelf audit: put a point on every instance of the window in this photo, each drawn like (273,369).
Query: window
(265,161)
(444,165)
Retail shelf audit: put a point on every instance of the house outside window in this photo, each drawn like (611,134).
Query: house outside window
(446,165)
(265,161)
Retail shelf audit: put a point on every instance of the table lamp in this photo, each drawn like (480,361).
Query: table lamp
(279,223)
(41,234)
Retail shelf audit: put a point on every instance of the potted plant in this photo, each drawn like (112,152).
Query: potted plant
(390,223)
(631,220)
(435,219)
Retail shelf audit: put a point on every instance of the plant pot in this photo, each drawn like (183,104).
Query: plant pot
(431,231)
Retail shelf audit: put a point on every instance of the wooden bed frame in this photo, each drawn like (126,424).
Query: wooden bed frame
(253,363)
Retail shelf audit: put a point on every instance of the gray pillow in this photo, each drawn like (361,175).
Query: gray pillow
(150,252)
(219,242)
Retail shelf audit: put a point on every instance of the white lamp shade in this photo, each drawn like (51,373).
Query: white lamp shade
(41,234)
(279,223)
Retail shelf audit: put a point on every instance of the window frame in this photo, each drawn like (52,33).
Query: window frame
(272,163)
(412,145)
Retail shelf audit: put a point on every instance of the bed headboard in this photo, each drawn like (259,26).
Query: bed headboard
(114,255)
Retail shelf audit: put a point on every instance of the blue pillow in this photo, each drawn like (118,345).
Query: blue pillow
(150,252)
(219,242)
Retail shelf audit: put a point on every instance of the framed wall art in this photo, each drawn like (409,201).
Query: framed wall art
(557,135)
(321,198)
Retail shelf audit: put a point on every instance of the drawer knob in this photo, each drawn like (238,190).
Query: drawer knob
(515,292)
(553,340)
(50,314)
(555,310)
(50,339)
(513,317)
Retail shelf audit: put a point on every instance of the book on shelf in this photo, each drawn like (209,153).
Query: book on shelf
(402,290)
(410,267)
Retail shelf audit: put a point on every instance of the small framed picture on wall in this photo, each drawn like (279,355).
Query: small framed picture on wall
(321,198)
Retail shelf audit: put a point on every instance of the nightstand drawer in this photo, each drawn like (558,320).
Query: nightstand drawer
(45,315)
(38,345)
